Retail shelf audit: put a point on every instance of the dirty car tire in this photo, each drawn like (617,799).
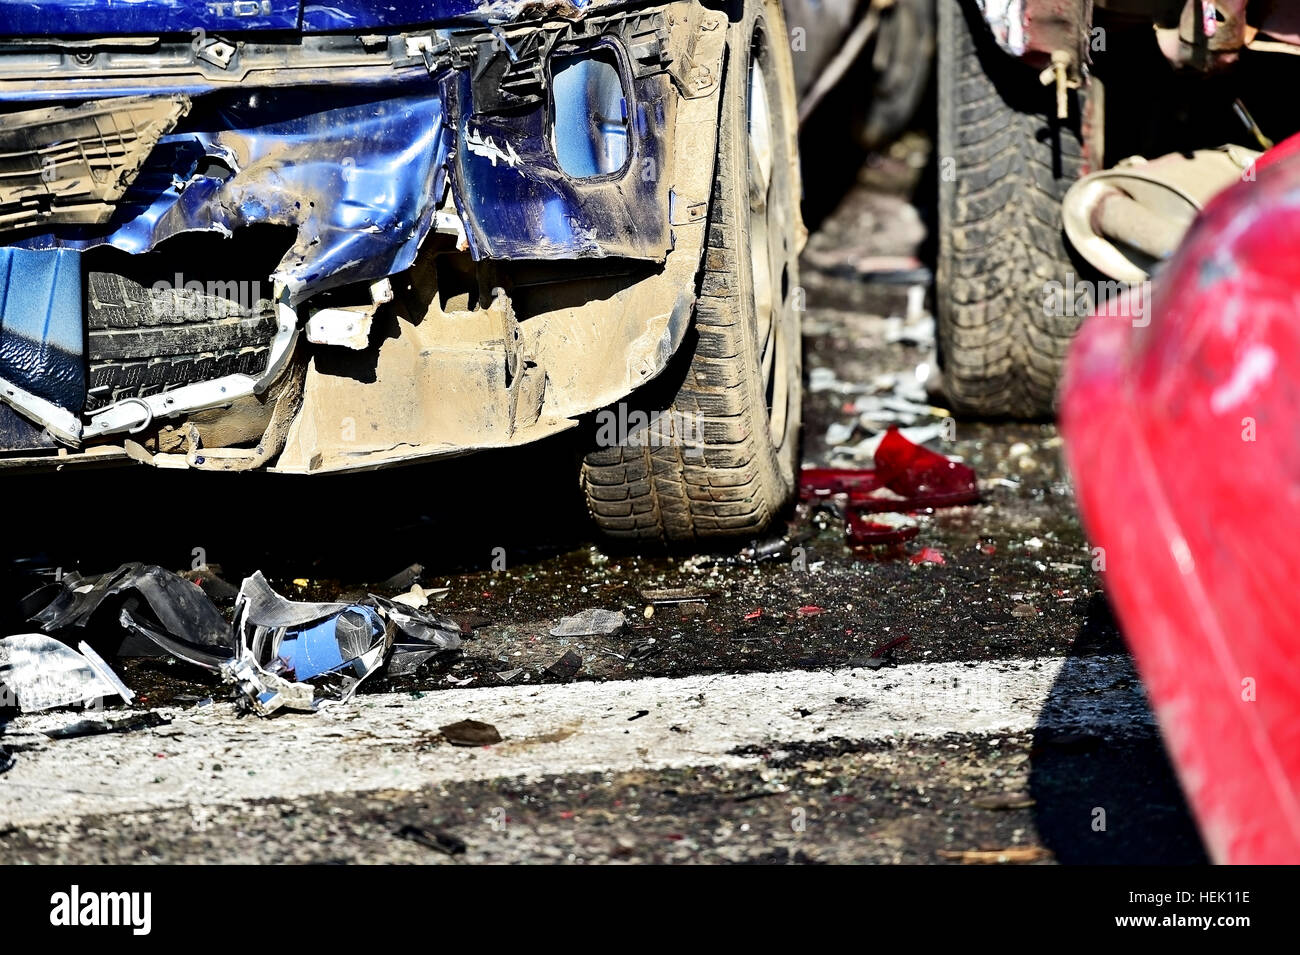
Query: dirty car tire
(719,459)
(1005,163)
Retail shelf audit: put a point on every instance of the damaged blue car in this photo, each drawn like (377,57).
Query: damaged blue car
(321,238)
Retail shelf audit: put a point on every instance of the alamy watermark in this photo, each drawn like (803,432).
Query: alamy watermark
(75,907)
(620,426)
(192,300)
(1076,298)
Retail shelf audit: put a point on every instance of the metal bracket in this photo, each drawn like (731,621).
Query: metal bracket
(60,422)
(1063,74)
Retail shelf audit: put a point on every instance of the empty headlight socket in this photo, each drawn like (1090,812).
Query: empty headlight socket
(592,109)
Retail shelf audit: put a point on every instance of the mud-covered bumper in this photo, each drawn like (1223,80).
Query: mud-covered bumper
(374,160)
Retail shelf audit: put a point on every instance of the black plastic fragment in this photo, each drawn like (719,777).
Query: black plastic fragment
(435,839)
(177,606)
(127,724)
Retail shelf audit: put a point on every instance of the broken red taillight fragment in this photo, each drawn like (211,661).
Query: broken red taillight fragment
(825,482)
(871,530)
(1182,441)
(907,477)
(922,477)
(928,555)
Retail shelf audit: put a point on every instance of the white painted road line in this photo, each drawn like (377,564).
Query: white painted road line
(208,755)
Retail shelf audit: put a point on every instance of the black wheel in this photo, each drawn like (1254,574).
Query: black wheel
(719,458)
(901,58)
(1005,163)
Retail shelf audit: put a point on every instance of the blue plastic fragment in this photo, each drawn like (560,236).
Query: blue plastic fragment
(331,644)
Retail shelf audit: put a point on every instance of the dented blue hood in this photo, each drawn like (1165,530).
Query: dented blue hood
(150,17)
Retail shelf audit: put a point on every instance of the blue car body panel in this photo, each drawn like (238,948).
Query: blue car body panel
(123,17)
(437,116)
(518,203)
(358,180)
(393,14)
(40,324)
(26,18)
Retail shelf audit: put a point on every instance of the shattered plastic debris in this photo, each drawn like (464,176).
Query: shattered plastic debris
(265,692)
(773,550)
(435,839)
(876,412)
(864,452)
(672,595)
(645,649)
(916,478)
(839,432)
(209,658)
(336,645)
(923,477)
(824,482)
(263,607)
(415,597)
(263,620)
(928,555)
(777,548)
(278,654)
(332,644)
(175,614)
(891,399)
(419,639)
(43,673)
(210,581)
(403,579)
(590,623)
(419,597)
(906,478)
(824,379)
(883,655)
(565,668)
(918,331)
(872,530)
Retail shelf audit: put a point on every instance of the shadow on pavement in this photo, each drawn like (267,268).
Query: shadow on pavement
(1082,778)
(447,515)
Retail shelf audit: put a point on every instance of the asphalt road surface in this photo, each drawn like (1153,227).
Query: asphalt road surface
(764,722)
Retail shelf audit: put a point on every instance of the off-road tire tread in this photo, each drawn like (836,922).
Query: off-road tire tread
(1000,241)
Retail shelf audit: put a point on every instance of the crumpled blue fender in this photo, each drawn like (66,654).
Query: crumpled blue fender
(359,180)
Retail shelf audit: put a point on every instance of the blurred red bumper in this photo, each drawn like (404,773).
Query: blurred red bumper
(1183,437)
